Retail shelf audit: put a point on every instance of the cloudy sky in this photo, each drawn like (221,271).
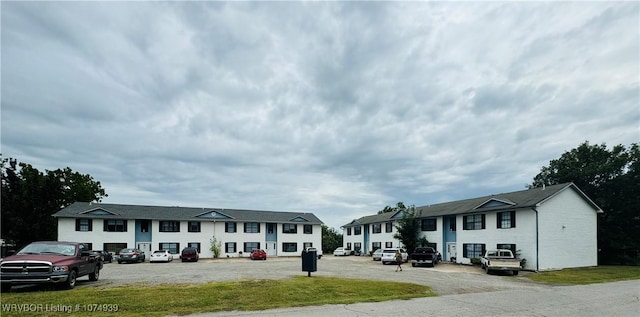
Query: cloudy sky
(334,108)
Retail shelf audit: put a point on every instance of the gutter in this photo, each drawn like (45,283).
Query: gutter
(537,240)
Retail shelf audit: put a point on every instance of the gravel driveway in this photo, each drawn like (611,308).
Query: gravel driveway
(445,278)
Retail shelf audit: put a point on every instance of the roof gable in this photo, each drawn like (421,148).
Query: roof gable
(299,219)
(99,212)
(213,214)
(494,202)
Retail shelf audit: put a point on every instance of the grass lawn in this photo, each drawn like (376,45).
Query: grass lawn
(588,275)
(183,299)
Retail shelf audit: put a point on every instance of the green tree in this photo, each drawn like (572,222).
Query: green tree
(331,239)
(408,229)
(30,197)
(399,206)
(611,178)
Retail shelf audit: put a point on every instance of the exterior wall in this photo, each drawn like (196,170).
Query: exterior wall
(523,236)
(349,241)
(208,229)
(435,236)
(97,237)
(568,232)
(383,237)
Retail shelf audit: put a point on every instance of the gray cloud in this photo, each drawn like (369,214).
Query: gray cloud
(334,108)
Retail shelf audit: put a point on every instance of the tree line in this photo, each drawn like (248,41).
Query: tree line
(610,177)
(30,198)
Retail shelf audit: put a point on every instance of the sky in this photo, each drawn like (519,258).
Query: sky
(334,108)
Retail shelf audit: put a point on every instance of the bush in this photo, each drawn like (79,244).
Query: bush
(475,261)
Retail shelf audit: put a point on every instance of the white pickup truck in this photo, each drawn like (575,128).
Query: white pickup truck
(500,260)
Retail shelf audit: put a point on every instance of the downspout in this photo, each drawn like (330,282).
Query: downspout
(537,240)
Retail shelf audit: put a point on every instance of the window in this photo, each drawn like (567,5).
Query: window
(471,250)
(114,247)
(230,227)
(388,244)
(307,245)
(289,228)
(348,231)
(250,246)
(172,247)
(429,224)
(252,227)
(307,229)
(194,245)
(169,226)
(377,228)
(144,225)
(357,230)
(115,225)
(506,219)
(348,245)
(474,222)
(376,246)
(230,247)
(89,246)
(508,246)
(357,246)
(389,227)
(84,224)
(452,224)
(194,226)
(289,247)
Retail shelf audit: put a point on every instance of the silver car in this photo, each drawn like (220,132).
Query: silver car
(377,255)
(389,255)
(131,255)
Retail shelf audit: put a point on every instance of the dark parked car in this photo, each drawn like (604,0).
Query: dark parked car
(131,255)
(258,254)
(189,254)
(106,256)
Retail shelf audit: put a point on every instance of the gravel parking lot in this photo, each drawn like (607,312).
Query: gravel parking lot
(445,278)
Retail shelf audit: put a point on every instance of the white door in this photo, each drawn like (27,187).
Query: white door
(271,248)
(451,251)
(146,248)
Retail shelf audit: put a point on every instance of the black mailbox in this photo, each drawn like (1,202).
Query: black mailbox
(309,260)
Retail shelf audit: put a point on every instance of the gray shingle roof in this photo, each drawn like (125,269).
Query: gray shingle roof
(117,211)
(507,201)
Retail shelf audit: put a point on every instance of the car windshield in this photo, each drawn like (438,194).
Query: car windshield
(46,248)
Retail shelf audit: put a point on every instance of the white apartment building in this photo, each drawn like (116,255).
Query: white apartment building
(552,227)
(112,227)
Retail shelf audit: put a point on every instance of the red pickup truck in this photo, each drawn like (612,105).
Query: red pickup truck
(54,262)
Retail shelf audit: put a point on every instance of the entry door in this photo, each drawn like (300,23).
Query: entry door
(146,248)
(451,251)
(271,248)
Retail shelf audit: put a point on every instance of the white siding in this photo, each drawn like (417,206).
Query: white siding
(435,236)
(568,232)
(97,237)
(208,229)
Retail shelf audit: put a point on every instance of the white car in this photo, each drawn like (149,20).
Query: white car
(389,255)
(340,251)
(161,256)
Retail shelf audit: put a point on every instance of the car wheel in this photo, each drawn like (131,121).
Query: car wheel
(119,262)
(95,275)
(71,280)
(413,264)
(515,273)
